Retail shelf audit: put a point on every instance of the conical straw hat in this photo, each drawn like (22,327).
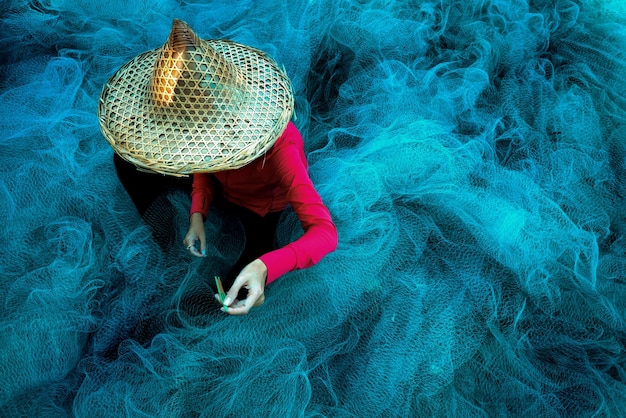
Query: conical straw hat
(195,106)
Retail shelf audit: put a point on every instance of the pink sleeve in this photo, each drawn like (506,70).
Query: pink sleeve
(320,234)
(201,194)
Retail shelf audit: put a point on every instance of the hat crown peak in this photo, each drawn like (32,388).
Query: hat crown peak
(189,71)
(182,37)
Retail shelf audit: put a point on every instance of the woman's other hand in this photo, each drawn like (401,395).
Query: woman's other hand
(195,235)
(252,278)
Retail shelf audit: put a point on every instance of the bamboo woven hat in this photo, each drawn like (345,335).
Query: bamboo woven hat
(195,106)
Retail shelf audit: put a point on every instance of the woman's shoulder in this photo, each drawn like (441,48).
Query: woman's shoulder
(288,151)
(291,135)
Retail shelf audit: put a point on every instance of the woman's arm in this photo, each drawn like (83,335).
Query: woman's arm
(201,195)
(320,233)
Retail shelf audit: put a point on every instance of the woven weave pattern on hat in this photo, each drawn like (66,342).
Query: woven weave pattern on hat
(195,105)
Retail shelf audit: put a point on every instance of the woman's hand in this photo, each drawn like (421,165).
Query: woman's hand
(196,234)
(252,277)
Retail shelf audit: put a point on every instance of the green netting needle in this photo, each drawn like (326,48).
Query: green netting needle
(220,292)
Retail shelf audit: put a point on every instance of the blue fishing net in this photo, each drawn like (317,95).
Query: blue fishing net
(471,153)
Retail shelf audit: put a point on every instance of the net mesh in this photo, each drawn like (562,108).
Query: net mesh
(472,157)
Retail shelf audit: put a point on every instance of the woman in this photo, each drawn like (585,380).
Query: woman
(219,111)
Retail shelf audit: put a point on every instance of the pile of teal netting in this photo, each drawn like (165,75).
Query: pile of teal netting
(471,152)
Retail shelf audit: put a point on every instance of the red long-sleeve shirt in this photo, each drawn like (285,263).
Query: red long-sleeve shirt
(268,184)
